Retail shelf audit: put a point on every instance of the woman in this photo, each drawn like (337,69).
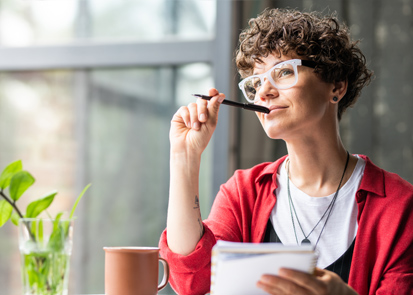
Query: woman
(307,71)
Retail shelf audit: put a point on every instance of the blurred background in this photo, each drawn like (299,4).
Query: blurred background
(88,89)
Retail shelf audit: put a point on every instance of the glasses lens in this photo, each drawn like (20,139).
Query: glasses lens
(251,86)
(284,76)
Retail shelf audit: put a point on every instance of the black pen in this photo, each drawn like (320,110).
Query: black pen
(247,106)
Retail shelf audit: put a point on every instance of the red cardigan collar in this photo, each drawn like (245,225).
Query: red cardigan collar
(372,181)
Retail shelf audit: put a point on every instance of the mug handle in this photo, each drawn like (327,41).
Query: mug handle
(165,278)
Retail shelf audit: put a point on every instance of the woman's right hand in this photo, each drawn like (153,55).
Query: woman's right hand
(192,126)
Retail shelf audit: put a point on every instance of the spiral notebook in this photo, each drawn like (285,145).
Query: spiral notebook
(237,267)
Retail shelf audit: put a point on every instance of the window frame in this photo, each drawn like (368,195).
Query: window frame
(83,56)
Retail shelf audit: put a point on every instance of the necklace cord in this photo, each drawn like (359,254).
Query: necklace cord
(292,219)
(329,208)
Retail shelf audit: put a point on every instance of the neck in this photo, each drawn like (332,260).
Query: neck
(317,164)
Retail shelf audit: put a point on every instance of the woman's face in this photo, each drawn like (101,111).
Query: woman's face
(296,111)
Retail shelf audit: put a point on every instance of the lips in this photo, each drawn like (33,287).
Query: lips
(276,107)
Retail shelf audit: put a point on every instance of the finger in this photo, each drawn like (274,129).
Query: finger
(318,272)
(193,113)
(213,106)
(182,115)
(285,286)
(270,289)
(213,92)
(303,279)
(268,286)
(202,110)
(324,274)
(331,281)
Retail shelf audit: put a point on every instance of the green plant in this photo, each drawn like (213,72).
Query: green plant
(45,263)
(18,181)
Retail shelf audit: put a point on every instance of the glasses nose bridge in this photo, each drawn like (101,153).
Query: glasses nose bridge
(265,78)
(267,88)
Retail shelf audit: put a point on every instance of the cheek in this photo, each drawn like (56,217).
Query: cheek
(311,104)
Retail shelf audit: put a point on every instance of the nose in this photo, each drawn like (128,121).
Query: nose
(267,91)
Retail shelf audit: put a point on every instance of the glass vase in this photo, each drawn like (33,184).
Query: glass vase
(45,249)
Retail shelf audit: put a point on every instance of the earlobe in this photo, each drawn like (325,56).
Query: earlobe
(340,90)
(335,99)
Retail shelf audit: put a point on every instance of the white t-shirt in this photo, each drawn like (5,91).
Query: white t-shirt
(341,227)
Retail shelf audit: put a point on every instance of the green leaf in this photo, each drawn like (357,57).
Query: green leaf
(15,218)
(19,183)
(8,173)
(40,232)
(38,206)
(56,240)
(56,220)
(5,212)
(78,199)
(33,229)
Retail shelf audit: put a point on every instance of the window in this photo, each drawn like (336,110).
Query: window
(88,90)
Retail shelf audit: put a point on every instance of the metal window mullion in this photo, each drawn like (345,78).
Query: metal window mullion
(222,59)
(81,81)
(81,87)
(98,55)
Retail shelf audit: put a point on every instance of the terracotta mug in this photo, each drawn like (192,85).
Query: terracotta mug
(133,271)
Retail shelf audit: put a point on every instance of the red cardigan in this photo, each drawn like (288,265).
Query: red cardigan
(383,253)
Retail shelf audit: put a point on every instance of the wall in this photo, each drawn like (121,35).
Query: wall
(381,124)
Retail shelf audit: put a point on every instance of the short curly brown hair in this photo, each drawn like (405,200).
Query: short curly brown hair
(318,38)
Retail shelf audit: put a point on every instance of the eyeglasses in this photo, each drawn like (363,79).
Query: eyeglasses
(282,76)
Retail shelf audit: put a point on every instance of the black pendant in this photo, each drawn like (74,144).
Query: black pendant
(305,241)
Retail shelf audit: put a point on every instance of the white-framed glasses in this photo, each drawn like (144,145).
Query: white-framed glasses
(282,76)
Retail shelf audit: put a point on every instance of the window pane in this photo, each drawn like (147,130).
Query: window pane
(37,124)
(152,20)
(127,147)
(130,113)
(37,22)
(63,21)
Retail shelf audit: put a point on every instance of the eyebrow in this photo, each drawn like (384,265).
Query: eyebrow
(276,63)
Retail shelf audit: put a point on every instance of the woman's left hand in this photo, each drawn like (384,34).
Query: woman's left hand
(289,282)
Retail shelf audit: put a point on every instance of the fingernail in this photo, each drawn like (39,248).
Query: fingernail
(221,99)
(260,284)
(202,117)
(196,125)
(282,272)
(264,279)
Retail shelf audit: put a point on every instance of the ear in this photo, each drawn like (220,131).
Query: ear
(338,91)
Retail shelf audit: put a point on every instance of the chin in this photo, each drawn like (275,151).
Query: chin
(273,133)
(271,129)
(274,136)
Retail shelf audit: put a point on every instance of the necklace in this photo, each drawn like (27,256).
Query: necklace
(329,208)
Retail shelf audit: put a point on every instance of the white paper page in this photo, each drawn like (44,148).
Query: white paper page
(260,247)
(239,276)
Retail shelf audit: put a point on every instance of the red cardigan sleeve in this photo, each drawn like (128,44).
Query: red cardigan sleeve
(239,214)
(191,274)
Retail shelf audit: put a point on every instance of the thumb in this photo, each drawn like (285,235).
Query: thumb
(318,272)
(214,104)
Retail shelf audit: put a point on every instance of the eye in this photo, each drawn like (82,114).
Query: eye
(256,83)
(284,73)
(250,89)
